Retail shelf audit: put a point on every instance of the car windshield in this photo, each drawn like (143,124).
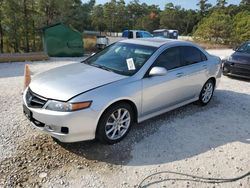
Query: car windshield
(244,48)
(122,58)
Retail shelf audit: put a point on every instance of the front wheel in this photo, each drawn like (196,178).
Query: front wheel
(115,123)
(206,93)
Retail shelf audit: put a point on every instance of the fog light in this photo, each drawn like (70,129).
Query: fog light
(65,130)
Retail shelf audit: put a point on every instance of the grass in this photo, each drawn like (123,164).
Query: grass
(207,45)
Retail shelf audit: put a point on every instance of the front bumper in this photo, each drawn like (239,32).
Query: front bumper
(65,126)
(236,69)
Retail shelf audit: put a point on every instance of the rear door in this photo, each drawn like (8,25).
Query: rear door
(194,63)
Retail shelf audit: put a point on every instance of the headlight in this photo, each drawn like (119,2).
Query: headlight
(67,107)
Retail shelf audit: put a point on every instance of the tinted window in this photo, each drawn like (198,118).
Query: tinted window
(130,35)
(125,34)
(244,48)
(169,59)
(191,55)
(138,35)
(146,35)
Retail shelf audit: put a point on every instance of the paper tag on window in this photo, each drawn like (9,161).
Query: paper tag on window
(130,64)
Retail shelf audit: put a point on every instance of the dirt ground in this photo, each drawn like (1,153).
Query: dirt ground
(211,141)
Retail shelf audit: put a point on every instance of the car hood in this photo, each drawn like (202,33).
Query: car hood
(239,57)
(65,82)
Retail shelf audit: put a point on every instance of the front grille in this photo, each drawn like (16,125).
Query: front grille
(33,100)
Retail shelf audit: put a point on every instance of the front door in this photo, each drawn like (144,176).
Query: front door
(160,92)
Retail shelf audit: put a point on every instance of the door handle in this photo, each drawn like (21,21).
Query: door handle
(180,74)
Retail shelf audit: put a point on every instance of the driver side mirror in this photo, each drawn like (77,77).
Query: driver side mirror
(158,71)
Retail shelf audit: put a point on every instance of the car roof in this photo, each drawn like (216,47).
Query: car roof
(162,30)
(154,42)
(135,30)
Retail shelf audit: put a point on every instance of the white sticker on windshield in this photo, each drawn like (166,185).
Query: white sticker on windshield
(130,64)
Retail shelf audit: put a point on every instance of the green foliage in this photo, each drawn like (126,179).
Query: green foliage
(241,25)
(221,3)
(216,28)
(180,19)
(245,2)
(98,21)
(21,20)
(204,7)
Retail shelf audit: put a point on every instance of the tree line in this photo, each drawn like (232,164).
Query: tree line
(21,20)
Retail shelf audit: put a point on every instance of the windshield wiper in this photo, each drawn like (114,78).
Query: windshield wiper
(102,67)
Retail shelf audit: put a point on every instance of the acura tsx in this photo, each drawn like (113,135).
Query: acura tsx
(127,82)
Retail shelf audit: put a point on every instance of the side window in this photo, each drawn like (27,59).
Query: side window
(203,57)
(130,35)
(169,59)
(138,35)
(191,55)
(146,35)
(244,48)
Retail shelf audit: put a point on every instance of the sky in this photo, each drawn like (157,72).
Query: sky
(187,4)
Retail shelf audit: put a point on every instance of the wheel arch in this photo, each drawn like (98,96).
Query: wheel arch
(213,79)
(130,102)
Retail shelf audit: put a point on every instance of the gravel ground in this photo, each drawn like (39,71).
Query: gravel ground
(210,141)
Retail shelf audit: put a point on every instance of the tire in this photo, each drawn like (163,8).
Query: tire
(207,89)
(113,127)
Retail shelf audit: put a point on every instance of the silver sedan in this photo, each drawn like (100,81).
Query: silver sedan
(126,83)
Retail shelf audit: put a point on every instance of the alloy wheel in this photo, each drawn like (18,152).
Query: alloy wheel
(118,124)
(207,92)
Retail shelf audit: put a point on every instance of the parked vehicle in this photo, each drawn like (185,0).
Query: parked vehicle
(238,64)
(102,42)
(166,33)
(132,34)
(127,82)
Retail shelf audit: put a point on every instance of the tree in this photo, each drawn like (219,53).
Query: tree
(221,3)
(180,19)
(12,25)
(98,21)
(151,21)
(136,12)
(49,11)
(169,6)
(171,19)
(245,2)
(204,7)
(215,28)
(241,25)
(190,21)
(1,25)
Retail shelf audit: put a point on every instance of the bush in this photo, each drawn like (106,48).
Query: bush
(215,28)
(89,44)
(241,24)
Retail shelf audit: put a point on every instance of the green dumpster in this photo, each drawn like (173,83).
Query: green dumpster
(60,40)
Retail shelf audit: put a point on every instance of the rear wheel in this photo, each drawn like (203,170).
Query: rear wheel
(206,93)
(115,123)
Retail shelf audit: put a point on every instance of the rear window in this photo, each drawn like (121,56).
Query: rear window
(192,55)
(169,59)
